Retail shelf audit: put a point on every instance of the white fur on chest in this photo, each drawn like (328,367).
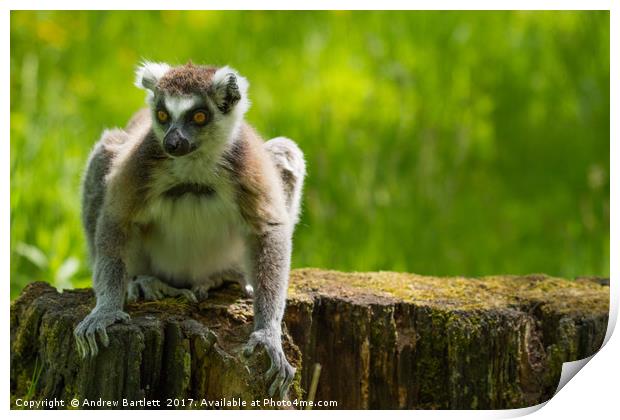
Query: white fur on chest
(192,237)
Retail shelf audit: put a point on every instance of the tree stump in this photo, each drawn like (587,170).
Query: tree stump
(383,340)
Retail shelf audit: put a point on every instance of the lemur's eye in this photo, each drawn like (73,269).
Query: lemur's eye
(199,117)
(162,116)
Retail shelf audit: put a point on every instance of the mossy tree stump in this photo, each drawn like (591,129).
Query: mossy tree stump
(384,340)
(169,349)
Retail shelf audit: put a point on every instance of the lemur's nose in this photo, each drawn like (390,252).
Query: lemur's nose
(176,144)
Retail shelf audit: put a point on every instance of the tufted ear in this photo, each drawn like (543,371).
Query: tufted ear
(149,73)
(230,91)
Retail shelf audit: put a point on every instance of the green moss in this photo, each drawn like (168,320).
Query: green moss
(456,292)
(296,391)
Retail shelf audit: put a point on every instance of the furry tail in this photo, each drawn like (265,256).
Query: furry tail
(289,160)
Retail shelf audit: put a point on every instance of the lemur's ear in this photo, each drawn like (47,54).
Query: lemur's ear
(149,73)
(230,90)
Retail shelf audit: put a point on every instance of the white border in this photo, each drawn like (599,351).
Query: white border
(593,394)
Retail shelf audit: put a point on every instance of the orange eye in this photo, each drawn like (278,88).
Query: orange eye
(162,116)
(200,117)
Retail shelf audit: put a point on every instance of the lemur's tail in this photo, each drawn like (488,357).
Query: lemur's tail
(289,159)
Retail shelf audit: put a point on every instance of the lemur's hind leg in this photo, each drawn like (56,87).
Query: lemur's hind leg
(151,288)
(289,161)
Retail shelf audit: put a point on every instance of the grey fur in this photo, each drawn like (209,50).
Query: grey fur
(116,219)
(93,192)
(289,161)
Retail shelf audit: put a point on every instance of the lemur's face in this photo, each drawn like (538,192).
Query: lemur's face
(193,107)
(182,122)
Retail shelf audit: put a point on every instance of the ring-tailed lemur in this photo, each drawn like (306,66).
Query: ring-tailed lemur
(187,195)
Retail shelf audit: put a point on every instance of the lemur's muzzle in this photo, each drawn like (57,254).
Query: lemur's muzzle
(176,144)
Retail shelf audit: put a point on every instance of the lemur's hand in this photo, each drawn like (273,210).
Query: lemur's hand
(95,324)
(280,367)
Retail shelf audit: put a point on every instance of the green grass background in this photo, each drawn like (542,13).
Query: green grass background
(444,143)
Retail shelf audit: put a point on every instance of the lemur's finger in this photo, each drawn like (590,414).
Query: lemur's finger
(274,367)
(76,336)
(201,293)
(277,382)
(189,295)
(80,339)
(79,346)
(250,347)
(85,350)
(92,342)
(192,297)
(103,336)
(290,375)
(85,347)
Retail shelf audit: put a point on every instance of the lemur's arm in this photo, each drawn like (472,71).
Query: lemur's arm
(109,282)
(270,264)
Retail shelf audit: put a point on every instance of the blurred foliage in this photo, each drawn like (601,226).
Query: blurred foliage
(447,143)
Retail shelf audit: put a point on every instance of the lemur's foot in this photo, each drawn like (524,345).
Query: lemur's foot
(93,325)
(280,371)
(201,292)
(151,288)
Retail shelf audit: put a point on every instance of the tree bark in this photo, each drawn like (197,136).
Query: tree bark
(383,340)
